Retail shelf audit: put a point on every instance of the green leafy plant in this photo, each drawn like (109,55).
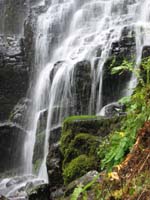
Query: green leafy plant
(138,111)
(125,66)
(82,190)
(146,66)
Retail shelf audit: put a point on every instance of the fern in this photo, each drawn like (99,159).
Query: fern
(77,192)
(80,189)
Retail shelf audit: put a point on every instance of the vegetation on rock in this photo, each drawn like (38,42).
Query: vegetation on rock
(79,143)
(130,179)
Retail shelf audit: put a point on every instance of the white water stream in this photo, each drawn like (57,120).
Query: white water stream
(71,31)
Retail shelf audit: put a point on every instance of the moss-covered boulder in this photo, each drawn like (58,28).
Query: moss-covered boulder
(80,139)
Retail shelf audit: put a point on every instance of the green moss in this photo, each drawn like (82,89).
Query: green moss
(82,135)
(37,165)
(78,167)
(80,117)
(83,143)
(65,139)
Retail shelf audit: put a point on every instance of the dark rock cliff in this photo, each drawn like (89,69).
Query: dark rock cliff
(14,81)
(13,74)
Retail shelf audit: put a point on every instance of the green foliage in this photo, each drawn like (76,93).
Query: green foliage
(138,111)
(78,167)
(125,66)
(82,189)
(130,66)
(146,66)
(77,192)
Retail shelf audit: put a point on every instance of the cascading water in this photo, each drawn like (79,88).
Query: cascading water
(71,31)
(90,25)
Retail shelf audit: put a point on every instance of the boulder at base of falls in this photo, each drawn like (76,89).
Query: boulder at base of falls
(41,192)
(75,154)
(11,141)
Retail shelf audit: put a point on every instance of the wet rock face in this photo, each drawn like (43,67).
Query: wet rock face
(18,112)
(12,14)
(114,85)
(82,87)
(54,166)
(29,39)
(13,74)
(11,138)
(54,160)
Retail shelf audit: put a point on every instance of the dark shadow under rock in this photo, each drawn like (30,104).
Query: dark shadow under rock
(40,192)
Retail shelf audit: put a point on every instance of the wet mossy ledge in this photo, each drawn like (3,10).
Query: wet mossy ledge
(79,142)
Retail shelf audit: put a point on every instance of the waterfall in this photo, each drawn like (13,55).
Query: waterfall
(68,32)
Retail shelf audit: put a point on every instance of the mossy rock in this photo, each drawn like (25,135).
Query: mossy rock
(78,167)
(80,139)
(93,125)
(83,143)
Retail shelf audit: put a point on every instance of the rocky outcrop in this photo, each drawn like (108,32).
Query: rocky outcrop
(11,140)
(13,74)
(54,167)
(112,109)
